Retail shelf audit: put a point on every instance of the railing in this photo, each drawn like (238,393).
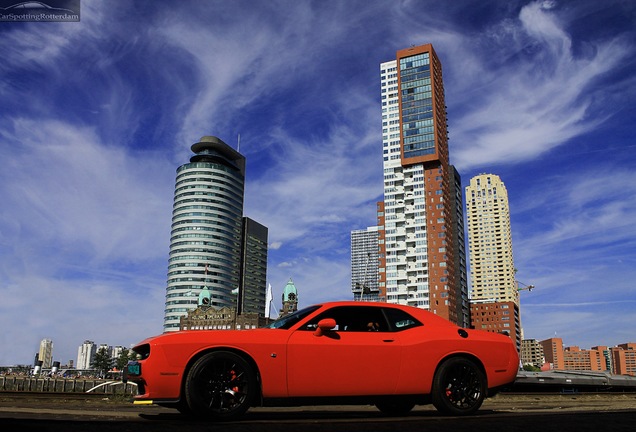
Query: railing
(65,385)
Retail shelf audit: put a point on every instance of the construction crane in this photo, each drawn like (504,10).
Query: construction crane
(524,287)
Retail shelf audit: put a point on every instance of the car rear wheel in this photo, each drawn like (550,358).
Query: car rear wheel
(459,387)
(395,407)
(220,385)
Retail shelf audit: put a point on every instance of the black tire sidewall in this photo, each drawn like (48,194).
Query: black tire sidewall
(438,396)
(194,401)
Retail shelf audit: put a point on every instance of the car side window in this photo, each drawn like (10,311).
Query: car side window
(353,319)
(289,320)
(400,320)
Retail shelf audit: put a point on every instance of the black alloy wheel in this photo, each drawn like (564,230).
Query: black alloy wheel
(459,387)
(221,385)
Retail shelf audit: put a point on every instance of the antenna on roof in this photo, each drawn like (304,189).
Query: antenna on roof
(238,144)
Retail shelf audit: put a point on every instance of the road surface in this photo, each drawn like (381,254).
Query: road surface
(532,412)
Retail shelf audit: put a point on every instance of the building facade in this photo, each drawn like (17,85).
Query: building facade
(85,354)
(553,352)
(492,269)
(251,298)
(206,317)
(624,359)
(532,353)
(619,360)
(577,359)
(45,354)
(419,237)
(225,318)
(364,264)
(211,243)
(497,317)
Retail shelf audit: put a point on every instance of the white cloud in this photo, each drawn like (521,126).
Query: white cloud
(318,279)
(81,238)
(96,117)
(94,196)
(37,306)
(530,92)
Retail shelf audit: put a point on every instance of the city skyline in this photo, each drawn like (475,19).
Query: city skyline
(97,115)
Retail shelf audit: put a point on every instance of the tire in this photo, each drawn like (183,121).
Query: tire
(395,407)
(183,408)
(220,385)
(459,387)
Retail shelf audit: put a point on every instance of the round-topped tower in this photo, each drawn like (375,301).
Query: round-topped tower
(206,230)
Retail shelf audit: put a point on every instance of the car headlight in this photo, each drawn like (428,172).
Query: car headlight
(141,352)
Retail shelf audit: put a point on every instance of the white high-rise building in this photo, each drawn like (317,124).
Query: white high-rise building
(45,354)
(85,354)
(364,264)
(116,351)
(421,259)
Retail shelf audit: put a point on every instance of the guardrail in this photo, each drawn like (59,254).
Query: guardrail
(66,385)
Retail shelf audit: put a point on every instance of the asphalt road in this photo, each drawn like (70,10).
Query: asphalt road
(536,413)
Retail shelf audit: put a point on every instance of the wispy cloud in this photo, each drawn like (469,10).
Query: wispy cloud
(96,116)
(86,192)
(533,91)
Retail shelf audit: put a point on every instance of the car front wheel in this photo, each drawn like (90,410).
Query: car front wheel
(220,385)
(459,387)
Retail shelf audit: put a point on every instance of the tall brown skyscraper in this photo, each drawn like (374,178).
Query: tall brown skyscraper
(422,256)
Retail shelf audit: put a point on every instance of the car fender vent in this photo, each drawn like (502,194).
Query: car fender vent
(463,333)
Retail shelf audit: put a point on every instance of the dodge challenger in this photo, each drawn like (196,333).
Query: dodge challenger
(388,355)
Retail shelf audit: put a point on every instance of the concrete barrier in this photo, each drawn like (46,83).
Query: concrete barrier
(65,385)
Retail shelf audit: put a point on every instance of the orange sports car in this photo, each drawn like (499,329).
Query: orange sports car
(389,355)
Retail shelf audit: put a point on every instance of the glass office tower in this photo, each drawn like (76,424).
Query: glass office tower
(206,232)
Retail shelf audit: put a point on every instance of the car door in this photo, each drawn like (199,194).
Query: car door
(353,359)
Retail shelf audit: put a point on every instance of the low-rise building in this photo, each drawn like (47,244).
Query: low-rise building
(624,359)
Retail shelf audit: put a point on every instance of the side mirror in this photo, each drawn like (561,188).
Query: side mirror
(324,326)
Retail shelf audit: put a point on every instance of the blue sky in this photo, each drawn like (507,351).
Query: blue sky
(96,116)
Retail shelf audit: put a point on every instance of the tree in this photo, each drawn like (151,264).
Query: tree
(102,362)
(123,358)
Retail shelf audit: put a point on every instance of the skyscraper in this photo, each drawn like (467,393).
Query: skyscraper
(85,354)
(45,354)
(251,298)
(492,269)
(210,241)
(494,291)
(364,264)
(420,221)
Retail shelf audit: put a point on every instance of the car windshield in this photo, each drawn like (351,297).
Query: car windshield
(287,321)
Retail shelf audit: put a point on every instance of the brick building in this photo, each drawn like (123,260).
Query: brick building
(619,360)
(497,317)
(624,359)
